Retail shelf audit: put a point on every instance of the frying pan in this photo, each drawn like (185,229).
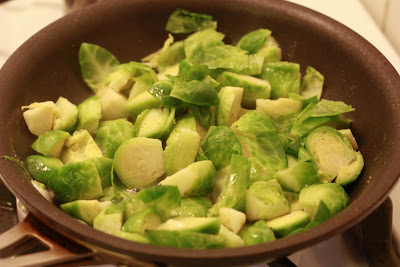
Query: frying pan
(46,67)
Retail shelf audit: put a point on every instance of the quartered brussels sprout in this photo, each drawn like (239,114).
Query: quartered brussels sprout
(220,143)
(181,146)
(154,123)
(111,134)
(51,143)
(112,104)
(89,115)
(229,105)
(42,168)
(110,219)
(85,210)
(253,88)
(80,146)
(232,194)
(104,169)
(257,233)
(230,238)
(66,115)
(284,78)
(232,219)
(39,117)
(96,63)
(183,21)
(286,224)
(197,179)
(138,162)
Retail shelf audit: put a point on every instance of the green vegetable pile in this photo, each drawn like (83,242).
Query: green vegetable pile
(201,145)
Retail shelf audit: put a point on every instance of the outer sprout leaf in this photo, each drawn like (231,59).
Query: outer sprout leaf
(183,21)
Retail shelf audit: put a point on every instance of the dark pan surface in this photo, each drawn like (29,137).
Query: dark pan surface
(47,67)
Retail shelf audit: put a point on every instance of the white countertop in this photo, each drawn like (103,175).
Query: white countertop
(21,19)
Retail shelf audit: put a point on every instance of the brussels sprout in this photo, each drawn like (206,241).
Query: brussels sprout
(39,117)
(197,179)
(233,195)
(192,207)
(96,63)
(265,201)
(297,176)
(254,40)
(109,220)
(139,162)
(270,54)
(284,78)
(231,239)
(183,21)
(111,134)
(312,83)
(182,145)
(220,143)
(140,103)
(260,140)
(220,179)
(163,199)
(184,239)
(112,104)
(85,210)
(51,143)
(123,76)
(253,88)
(76,180)
(229,105)
(196,43)
(333,196)
(131,206)
(232,219)
(322,214)
(80,146)
(104,169)
(142,221)
(195,92)
(42,168)
(330,150)
(349,135)
(192,224)
(256,62)
(286,224)
(257,233)
(154,123)
(66,117)
(223,57)
(325,112)
(135,237)
(189,72)
(89,114)
(348,174)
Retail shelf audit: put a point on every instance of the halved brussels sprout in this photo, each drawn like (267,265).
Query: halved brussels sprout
(220,143)
(96,63)
(330,150)
(333,196)
(312,83)
(348,174)
(253,88)
(139,162)
(51,143)
(197,179)
(154,123)
(284,78)
(111,134)
(80,146)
